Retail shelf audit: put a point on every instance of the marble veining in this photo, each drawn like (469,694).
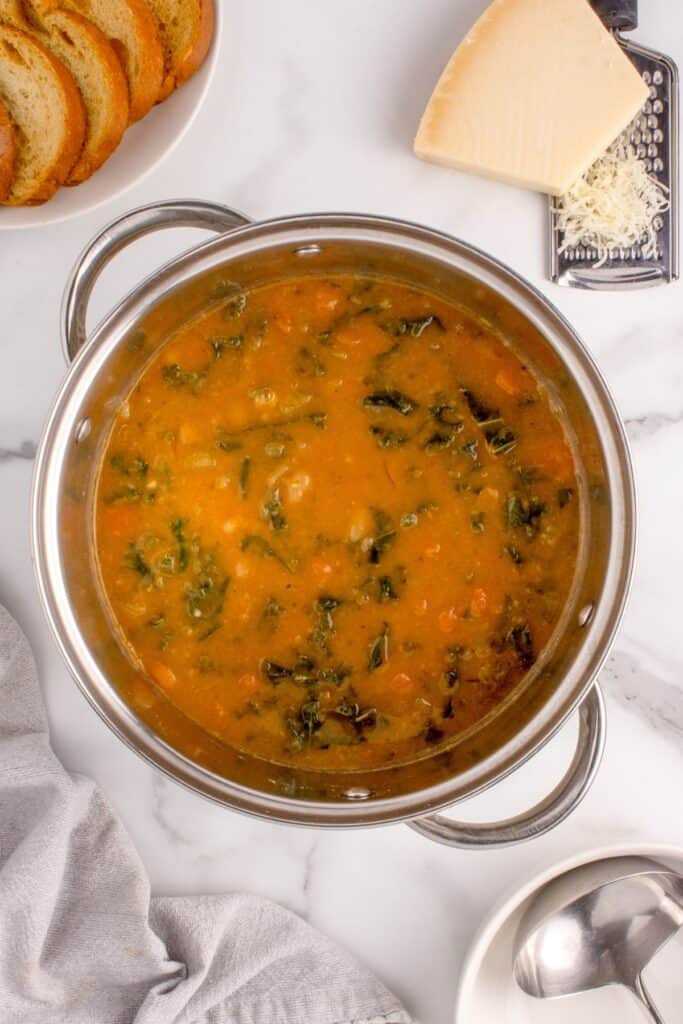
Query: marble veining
(25,450)
(314,107)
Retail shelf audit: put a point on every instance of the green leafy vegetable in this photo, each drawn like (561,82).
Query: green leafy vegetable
(252,542)
(390,399)
(135,560)
(178,531)
(514,553)
(308,364)
(135,466)
(379,649)
(477,522)
(236,304)
(190,380)
(223,344)
(433,734)
(522,513)
(324,628)
(518,639)
(360,718)
(416,326)
(471,450)
(385,535)
(205,599)
(230,440)
(245,469)
(387,438)
(481,413)
(271,511)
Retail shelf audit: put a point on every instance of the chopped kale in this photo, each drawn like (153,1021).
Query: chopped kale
(433,734)
(523,513)
(205,598)
(274,672)
(471,450)
(252,542)
(135,466)
(384,536)
(136,561)
(387,438)
(245,469)
(271,511)
(514,553)
(480,412)
(223,344)
(500,441)
(178,531)
(308,364)
(416,326)
(477,522)
(390,398)
(379,649)
(189,380)
(518,639)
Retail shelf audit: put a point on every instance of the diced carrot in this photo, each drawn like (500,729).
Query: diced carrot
(163,675)
(506,381)
(402,682)
(448,620)
(248,683)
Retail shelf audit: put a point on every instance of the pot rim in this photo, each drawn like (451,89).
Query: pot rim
(526,298)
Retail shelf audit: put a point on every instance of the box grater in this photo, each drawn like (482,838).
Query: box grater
(653,134)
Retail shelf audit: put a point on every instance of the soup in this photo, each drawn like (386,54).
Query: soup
(337,522)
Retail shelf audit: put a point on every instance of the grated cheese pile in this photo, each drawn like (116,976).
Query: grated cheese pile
(613,206)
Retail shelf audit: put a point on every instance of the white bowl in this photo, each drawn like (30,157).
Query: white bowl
(142,148)
(488,992)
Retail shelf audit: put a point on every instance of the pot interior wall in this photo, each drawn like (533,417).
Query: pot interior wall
(109,368)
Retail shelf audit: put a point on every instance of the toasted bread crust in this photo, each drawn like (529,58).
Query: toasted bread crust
(188,63)
(73,133)
(144,68)
(7,152)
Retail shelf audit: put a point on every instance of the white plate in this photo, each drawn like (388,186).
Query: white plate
(488,993)
(142,148)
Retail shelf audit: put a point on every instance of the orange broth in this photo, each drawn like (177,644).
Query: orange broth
(336,522)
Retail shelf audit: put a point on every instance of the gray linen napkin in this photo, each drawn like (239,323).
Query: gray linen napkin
(82,943)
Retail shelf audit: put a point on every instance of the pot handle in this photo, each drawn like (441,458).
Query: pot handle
(550,812)
(173,213)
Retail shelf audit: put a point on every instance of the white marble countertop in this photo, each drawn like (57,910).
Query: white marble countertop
(314,108)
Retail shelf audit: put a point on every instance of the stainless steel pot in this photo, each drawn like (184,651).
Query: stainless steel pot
(103,370)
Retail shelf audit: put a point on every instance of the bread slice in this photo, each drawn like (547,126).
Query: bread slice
(88,55)
(7,152)
(187,30)
(134,33)
(47,113)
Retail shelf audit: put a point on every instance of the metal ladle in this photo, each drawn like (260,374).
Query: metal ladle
(598,924)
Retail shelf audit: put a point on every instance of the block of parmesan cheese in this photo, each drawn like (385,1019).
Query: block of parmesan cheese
(536,91)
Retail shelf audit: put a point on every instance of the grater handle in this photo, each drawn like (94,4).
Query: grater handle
(617,14)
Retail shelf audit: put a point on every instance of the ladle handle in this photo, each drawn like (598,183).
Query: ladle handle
(566,796)
(174,213)
(645,999)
